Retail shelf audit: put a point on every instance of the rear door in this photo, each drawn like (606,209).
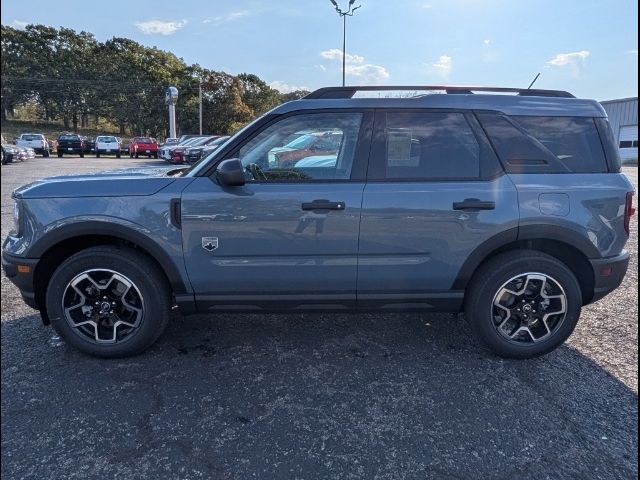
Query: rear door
(289,237)
(435,193)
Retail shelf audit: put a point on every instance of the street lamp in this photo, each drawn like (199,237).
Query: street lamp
(344,15)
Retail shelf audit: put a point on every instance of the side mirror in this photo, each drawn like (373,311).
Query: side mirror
(231,172)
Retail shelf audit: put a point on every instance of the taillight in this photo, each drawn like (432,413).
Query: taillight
(629,212)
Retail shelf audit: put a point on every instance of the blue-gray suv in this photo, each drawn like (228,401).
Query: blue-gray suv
(508,204)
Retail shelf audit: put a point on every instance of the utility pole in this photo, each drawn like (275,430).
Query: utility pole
(200,103)
(344,15)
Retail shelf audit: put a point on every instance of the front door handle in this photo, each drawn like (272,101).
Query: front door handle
(323,205)
(474,204)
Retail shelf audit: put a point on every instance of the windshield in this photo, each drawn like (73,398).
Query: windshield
(68,137)
(32,137)
(106,139)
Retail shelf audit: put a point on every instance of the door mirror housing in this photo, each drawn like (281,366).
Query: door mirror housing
(231,172)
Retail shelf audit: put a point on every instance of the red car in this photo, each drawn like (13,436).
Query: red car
(143,146)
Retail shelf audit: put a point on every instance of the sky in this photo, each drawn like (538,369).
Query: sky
(587,47)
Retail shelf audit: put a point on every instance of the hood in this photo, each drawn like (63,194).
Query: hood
(113,183)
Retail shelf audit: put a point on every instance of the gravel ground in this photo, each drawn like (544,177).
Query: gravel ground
(317,396)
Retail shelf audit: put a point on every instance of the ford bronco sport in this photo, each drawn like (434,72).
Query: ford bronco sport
(509,207)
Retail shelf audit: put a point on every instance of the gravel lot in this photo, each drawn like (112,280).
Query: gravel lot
(317,396)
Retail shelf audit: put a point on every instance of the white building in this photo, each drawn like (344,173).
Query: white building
(623,116)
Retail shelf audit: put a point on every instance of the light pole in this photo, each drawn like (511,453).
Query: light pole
(344,15)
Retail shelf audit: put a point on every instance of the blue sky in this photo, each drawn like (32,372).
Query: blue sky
(587,47)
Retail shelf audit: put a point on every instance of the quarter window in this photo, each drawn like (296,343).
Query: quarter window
(546,144)
(429,145)
(315,146)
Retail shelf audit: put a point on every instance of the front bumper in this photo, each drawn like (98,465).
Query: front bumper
(608,274)
(20,272)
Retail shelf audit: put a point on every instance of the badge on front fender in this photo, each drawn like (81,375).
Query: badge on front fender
(210,243)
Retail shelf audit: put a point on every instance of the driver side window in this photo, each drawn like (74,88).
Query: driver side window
(299,148)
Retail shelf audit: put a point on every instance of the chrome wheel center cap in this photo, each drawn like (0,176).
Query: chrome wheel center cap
(105,307)
(527,308)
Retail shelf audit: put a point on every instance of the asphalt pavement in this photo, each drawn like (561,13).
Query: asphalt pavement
(317,396)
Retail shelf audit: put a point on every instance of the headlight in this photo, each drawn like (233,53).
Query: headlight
(16,217)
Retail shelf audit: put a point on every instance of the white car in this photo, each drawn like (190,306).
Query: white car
(36,141)
(107,144)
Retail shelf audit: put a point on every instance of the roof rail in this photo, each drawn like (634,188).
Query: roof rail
(349,92)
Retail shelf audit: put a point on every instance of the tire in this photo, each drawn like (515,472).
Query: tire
(59,154)
(148,291)
(81,154)
(97,155)
(155,155)
(137,155)
(117,155)
(506,271)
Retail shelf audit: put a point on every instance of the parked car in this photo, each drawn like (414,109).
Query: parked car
(31,153)
(143,146)
(36,141)
(305,144)
(107,145)
(168,142)
(124,146)
(177,152)
(512,208)
(70,143)
(9,152)
(194,154)
(166,151)
(89,144)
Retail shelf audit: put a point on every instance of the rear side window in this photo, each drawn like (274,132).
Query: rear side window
(537,144)
(429,145)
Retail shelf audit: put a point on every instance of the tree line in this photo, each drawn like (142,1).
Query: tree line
(70,76)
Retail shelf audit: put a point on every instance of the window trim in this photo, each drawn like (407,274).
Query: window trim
(360,156)
(377,168)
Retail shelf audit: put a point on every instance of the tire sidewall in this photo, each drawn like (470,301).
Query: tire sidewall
(479,308)
(155,303)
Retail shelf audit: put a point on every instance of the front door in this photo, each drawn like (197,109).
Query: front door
(288,238)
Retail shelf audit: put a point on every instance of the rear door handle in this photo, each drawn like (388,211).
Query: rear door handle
(474,204)
(323,205)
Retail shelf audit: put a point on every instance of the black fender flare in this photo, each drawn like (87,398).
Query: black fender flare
(527,232)
(115,230)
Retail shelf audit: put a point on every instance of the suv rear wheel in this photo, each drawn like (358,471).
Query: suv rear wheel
(108,301)
(523,303)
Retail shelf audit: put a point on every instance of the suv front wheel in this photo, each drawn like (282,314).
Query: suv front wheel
(523,303)
(108,301)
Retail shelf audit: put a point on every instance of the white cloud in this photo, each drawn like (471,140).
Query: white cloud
(336,54)
(230,17)
(568,59)
(487,41)
(443,66)
(321,67)
(355,66)
(573,60)
(151,27)
(632,52)
(285,87)
(20,24)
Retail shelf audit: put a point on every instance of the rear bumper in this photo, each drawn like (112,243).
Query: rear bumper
(21,277)
(608,274)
